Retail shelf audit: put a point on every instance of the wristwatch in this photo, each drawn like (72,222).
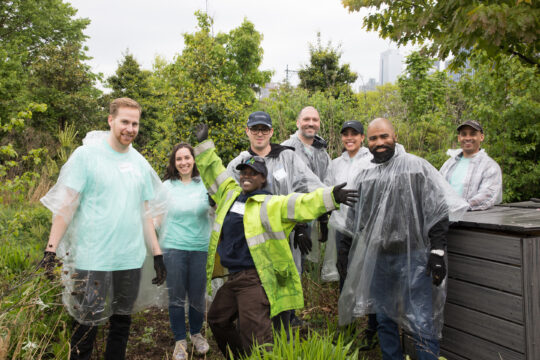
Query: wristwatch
(438,252)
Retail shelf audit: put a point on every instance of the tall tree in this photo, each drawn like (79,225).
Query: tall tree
(324,73)
(458,26)
(131,81)
(26,28)
(506,101)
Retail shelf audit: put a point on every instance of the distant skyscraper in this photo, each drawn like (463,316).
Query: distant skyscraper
(390,66)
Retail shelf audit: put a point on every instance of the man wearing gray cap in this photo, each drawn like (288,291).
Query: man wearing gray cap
(471,172)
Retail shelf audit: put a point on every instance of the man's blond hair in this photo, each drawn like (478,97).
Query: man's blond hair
(123,102)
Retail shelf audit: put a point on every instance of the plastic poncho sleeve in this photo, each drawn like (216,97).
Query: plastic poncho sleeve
(214,175)
(489,190)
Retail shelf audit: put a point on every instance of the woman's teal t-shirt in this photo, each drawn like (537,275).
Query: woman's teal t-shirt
(187,225)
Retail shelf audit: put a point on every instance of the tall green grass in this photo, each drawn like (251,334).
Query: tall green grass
(33,323)
(314,346)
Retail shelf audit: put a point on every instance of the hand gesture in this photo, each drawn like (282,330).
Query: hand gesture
(301,239)
(345,196)
(201,132)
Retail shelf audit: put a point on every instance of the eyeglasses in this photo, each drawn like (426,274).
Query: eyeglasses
(262,130)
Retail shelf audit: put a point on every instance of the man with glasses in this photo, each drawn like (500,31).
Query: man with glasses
(287,173)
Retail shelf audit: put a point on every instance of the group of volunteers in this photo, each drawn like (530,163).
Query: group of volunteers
(119,230)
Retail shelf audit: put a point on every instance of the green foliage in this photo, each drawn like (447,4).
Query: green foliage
(29,27)
(324,72)
(505,98)
(511,27)
(427,107)
(62,80)
(316,346)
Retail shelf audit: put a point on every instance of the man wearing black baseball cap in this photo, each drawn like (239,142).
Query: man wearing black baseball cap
(470,171)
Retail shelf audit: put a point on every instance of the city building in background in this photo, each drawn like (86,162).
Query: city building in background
(391,66)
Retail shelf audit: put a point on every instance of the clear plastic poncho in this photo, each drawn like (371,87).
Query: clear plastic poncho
(399,202)
(482,186)
(287,173)
(108,200)
(342,169)
(317,159)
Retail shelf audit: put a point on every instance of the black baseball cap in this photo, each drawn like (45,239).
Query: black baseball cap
(259,118)
(353,124)
(474,124)
(257,163)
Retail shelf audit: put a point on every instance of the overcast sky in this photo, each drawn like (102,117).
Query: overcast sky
(149,28)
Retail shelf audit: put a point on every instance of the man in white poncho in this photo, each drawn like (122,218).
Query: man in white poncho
(102,207)
(470,171)
(397,261)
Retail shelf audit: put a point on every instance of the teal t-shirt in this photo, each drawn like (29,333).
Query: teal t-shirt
(108,223)
(459,174)
(187,225)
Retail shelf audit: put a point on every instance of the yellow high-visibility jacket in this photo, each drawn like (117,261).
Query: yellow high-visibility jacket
(268,221)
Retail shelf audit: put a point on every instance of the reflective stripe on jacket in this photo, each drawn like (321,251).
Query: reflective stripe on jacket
(268,220)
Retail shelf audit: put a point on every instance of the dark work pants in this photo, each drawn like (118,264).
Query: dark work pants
(243,300)
(83,336)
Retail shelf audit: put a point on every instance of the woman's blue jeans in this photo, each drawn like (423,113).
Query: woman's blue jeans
(186,277)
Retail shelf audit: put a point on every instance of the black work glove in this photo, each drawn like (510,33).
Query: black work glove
(302,239)
(201,132)
(344,196)
(343,256)
(437,268)
(49,262)
(323,227)
(161,271)
(211,201)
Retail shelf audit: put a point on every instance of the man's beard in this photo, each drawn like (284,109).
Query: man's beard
(384,156)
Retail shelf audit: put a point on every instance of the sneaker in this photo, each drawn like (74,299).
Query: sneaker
(180,350)
(200,343)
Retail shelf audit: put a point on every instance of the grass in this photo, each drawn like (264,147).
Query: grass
(34,324)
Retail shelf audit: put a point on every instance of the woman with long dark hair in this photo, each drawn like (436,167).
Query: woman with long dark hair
(184,238)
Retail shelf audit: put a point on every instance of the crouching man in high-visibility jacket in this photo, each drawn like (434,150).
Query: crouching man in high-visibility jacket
(249,243)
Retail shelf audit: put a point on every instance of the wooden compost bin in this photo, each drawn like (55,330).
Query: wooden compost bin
(493,304)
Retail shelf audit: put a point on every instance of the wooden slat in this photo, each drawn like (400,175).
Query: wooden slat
(471,347)
(490,301)
(498,331)
(451,356)
(501,248)
(483,272)
(531,295)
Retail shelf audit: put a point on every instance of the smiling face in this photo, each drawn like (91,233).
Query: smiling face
(352,141)
(184,162)
(381,140)
(259,137)
(308,122)
(124,128)
(251,180)
(470,140)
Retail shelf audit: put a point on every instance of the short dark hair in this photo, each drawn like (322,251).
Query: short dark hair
(172,172)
